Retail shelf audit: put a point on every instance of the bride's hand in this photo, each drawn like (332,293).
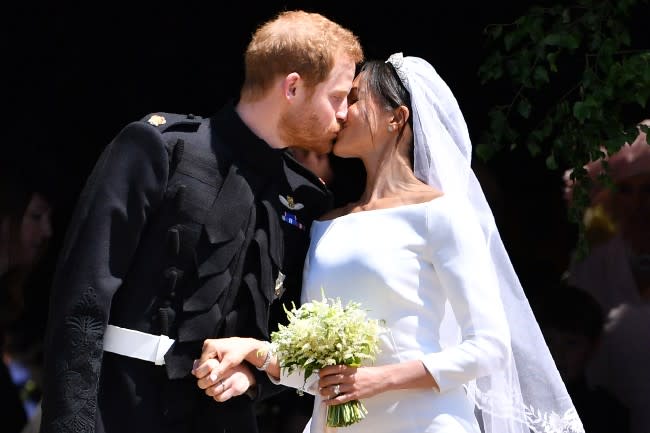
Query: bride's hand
(340,383)
(229,352)
(232,383)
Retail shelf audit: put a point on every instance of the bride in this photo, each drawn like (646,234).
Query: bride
(421,252)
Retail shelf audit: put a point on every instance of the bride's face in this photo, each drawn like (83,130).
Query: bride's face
(366,126)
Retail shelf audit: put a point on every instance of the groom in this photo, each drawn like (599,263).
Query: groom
(186,230)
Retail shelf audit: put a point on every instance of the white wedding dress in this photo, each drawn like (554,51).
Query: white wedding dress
(405,265)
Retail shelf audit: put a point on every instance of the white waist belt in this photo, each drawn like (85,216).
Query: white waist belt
(136,344)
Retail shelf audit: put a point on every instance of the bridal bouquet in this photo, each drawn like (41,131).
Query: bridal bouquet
(322,333)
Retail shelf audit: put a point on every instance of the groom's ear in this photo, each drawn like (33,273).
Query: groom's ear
(290,85)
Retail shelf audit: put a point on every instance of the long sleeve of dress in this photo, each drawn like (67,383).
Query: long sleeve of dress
(296,379)
(461,261)
(126,184)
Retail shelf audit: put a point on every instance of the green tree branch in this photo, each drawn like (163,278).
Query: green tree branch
(586,48)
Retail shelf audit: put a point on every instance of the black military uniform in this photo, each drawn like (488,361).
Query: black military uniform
(186,227)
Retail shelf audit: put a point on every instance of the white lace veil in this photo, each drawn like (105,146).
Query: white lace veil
(529,395)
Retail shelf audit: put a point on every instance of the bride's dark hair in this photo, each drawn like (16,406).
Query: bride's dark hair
(384,85)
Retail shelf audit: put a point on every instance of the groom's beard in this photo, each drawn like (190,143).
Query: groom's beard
(302,128)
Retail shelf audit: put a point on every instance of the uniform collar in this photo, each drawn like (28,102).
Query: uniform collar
(242,144)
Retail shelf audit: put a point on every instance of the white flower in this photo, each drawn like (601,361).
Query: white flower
(322,333)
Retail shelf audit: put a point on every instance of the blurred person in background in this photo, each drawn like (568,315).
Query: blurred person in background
(573,322)
(616,272)
(617,268)
(26,205)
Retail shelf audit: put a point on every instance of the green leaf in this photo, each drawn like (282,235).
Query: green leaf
(580,111)
(484,151)
(524,108)
(541,75)
(566,16)
(572,41)
(624,38)
(492,68)
(552,39)
(533,148)
(551,163)
(537,135)
(552,61)
(497,119)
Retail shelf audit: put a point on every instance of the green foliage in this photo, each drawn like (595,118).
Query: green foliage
(574,77)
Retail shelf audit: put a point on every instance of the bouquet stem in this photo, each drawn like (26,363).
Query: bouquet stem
(346,414)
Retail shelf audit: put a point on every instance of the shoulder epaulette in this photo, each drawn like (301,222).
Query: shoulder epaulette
(169,122)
